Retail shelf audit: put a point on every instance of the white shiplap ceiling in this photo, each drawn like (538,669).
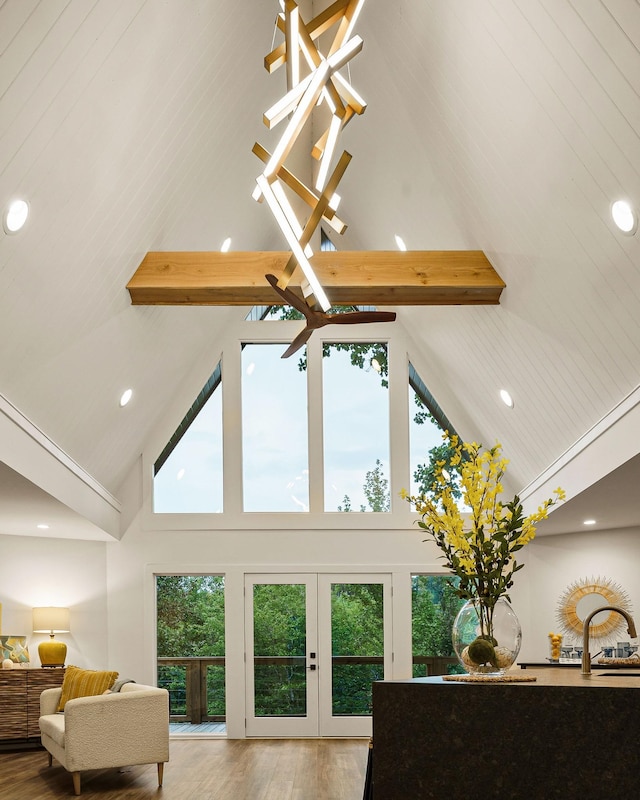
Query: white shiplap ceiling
(502,125)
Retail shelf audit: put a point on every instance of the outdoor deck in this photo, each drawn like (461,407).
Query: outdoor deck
(183,730)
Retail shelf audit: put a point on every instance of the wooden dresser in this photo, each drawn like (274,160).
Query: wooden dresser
(20,691)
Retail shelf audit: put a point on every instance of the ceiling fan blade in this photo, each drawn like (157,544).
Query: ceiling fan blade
(292,299)
(358,317)
(301,339)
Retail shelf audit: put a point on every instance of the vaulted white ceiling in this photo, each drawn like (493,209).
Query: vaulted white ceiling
(507,126)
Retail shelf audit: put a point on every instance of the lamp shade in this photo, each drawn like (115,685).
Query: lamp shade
(50,619)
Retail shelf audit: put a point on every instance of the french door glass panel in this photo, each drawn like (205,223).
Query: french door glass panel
(357,646)
(281,635)
(279,650)
(355,649)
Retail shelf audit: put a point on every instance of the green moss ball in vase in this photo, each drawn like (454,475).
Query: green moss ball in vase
(486,639)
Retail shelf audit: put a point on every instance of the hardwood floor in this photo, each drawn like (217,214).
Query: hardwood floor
(206,769)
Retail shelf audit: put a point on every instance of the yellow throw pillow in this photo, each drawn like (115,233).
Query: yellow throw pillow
(83,683)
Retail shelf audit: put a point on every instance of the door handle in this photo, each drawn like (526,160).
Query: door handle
(312,667)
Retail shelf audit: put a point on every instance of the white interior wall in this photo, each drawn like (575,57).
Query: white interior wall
(109,587)
(553,563)
(57,572)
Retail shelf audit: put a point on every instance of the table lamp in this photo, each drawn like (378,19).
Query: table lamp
(51,620)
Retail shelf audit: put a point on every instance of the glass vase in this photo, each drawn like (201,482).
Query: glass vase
(486,636)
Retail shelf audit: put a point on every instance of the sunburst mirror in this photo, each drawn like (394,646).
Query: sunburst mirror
(586,595)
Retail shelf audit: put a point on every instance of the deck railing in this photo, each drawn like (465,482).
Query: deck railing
(189,699)
(190,694)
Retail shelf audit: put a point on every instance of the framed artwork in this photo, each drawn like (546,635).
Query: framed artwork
(15,649)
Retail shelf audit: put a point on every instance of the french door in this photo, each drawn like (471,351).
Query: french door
(314,645)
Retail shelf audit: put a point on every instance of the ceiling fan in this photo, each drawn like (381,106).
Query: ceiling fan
(318,319)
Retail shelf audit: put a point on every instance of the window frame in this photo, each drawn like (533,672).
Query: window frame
(401,515)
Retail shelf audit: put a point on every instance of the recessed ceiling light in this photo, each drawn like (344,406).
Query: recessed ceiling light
(624,216)
(42,526)
(506,398)
(15,216)
(226,245)
(400,243)
(126,396)
(589,522)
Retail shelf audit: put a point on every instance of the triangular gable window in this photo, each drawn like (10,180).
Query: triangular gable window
(188,472)
(427,423)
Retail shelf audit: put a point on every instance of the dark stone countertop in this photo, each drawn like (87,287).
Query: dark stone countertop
(563,736)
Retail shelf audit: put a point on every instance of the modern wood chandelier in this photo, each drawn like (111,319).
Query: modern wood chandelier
(313,82)
(322,87)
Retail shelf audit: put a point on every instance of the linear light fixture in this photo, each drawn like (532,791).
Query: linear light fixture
(293,242)
(321,86)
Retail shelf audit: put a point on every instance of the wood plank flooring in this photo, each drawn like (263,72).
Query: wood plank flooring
(206,769)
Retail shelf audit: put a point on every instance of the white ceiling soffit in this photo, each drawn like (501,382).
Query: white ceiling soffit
(507,127)
(25,506)
(38,479)
(611,503)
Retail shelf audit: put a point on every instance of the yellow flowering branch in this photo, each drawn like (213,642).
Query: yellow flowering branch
(479,551)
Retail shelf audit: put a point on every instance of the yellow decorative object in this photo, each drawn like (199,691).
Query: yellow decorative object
(84,683)
(52,653)
(51,620)
(555,641)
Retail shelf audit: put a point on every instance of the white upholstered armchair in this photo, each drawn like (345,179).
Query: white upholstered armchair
(108,730)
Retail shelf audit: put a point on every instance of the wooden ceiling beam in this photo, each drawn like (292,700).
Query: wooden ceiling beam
(377,278)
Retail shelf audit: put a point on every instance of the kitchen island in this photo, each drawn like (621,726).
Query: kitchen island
(563,735)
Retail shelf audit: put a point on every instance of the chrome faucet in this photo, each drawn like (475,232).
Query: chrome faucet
(586,657)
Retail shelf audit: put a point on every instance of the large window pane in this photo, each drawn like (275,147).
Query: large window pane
(424,435)
(191,646)
(274,431)
(356,427)
(434,606)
